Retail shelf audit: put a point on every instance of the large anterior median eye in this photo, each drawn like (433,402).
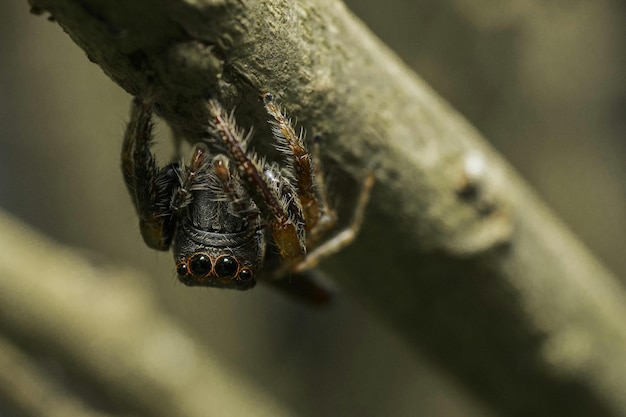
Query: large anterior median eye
(200,264)
(226,267)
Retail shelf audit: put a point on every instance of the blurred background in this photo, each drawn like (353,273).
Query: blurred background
(542,80)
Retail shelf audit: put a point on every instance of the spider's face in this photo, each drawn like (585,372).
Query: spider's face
(225,271)
(223,260)
(219,240)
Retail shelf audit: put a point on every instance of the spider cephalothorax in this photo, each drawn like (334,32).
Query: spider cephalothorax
(219,212)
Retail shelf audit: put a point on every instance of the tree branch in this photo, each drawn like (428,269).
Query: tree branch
(456,252)
(27,388)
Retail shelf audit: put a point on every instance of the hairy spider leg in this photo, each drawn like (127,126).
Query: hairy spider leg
(318,214)
(347,235)
(189,177)
(150,188)
(328,217)
(225,177)
(292,146)
(271,192)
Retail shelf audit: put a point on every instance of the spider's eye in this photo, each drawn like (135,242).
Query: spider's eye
(226,267)
(245,275)
(200,264)
(181,269)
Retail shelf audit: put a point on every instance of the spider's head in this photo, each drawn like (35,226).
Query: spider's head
(214,259)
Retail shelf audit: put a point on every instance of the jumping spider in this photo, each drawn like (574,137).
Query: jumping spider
(220,212)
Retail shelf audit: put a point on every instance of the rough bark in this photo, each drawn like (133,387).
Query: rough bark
(456,253)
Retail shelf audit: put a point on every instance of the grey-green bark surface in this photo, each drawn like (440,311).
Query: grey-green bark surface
(456,253)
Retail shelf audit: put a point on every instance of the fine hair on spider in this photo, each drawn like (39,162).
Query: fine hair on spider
(220,212)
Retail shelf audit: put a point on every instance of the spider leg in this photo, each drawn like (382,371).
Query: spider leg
(346,236)
(270,190)
(318,214)
(328,217)
(188,178)
(225,178)
(150,188)
(292,146)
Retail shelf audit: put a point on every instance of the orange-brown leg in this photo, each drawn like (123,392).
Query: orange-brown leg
(327,217)
(346,236)
(269,190)
(292,145)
